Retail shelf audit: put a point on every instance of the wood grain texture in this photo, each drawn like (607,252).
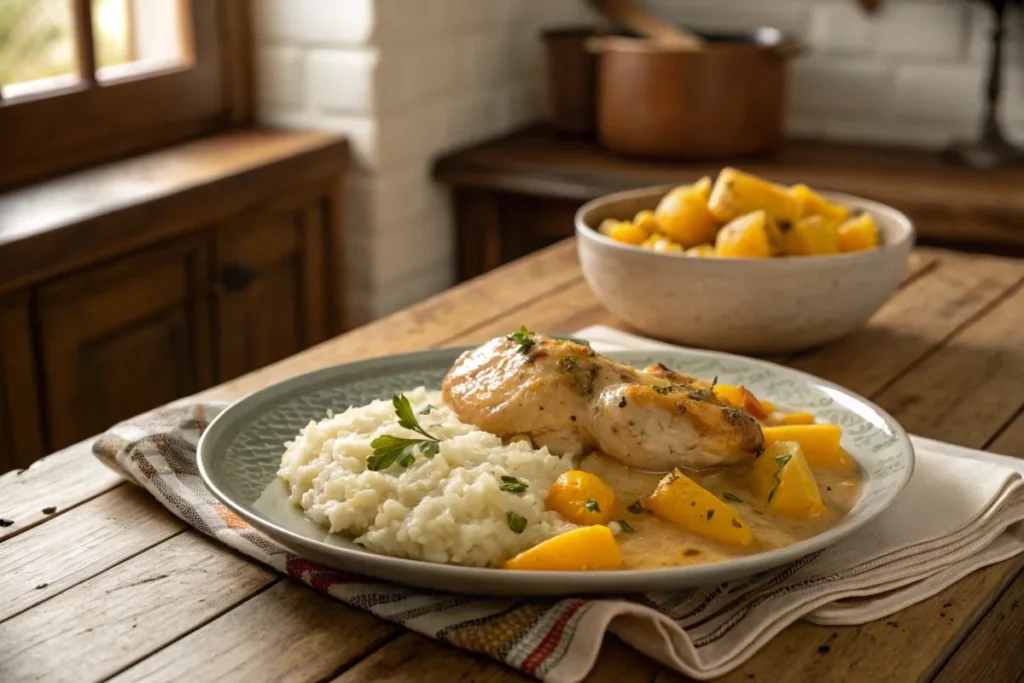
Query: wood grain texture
(1010,440)
(244,642)
(62,480)
(286,633)
(988,654)
(88,540)
(97,628)
(80,218)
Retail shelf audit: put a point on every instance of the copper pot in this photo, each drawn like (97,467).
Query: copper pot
(726,99)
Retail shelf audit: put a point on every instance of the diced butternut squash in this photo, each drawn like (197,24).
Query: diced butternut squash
(701,251)
(589,548)
(745,237)
(686,504)
(811,236)
(797,419)
(741,397)
(683,214)
(813,204)
(626,232)
(665,245)
(820,443)
(858,234)
(736,193)
(582,498)
(646,221)
(782,480)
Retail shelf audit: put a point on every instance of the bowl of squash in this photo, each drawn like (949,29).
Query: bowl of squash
(742,264)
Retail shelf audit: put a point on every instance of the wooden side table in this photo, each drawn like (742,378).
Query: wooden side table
(518,193)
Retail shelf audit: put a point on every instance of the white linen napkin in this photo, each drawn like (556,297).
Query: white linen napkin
(962,510)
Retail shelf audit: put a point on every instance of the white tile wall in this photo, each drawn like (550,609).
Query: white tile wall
(408,80)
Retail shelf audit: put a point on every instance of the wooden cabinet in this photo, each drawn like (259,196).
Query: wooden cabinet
(129,286)
(121,339)
(21,434)
(269,296)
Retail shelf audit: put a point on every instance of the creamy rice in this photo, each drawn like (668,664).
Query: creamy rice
(448,508)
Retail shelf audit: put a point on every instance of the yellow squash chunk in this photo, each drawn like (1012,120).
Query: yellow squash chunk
(782,480)
(582,498)
(812,236)
(797,419)
(589,548)
(665,245)
(768,406)
(646,221)
(688,505)
(820,443)
(730,394)
(683,214)
(859,234)
(813,204)
(626,232)
(741,397)
(745,237)
(736,193)
(702,251)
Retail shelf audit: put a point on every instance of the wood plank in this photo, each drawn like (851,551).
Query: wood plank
(414,658)
(62,480)
(969,389)
(1010,441)
(913,322)
(991,653)
(105,624)
(287,633)
(88,539)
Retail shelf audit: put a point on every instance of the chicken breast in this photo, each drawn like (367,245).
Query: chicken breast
(571,399)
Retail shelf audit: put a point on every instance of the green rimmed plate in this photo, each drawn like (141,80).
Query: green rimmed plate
(240,452)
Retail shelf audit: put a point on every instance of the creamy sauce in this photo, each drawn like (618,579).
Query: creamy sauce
(656,543)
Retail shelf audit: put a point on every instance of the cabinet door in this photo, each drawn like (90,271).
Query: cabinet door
(21,438)
(120,339)
(271,287)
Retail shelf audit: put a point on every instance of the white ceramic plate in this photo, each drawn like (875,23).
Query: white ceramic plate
(240,452)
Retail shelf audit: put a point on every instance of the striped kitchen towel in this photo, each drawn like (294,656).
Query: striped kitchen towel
(960,512)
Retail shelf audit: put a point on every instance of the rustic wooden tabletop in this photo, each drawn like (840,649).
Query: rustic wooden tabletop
(97,581)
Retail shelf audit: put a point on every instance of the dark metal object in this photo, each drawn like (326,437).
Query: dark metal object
(235,277)
(992,149)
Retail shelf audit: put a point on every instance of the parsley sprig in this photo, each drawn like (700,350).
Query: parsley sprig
(389,450)
(781,461)
(524,338)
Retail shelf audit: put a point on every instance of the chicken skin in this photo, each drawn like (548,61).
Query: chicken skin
(571,399)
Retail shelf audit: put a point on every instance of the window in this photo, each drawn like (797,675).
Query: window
(83,81)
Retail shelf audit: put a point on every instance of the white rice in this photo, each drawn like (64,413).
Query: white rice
(448,508)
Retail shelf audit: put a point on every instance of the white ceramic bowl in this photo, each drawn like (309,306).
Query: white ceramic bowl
(740,305)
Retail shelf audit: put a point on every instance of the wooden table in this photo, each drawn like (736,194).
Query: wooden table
(98,581)
(518,193)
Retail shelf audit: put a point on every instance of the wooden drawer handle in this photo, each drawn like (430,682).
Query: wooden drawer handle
(234,277)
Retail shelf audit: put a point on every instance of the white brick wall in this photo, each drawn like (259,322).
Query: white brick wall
(408,80)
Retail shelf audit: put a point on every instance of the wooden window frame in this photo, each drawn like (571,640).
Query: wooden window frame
(91,122)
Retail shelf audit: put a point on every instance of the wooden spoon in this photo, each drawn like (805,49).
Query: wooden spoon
(627,13)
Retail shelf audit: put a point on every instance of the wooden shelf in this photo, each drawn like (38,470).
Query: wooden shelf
(950,205)
(75,219)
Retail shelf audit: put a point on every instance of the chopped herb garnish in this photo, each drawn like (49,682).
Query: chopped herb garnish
(624,525)
(662,390)
(523,338)
(714,382)
(426,409)
(771,494)
(512,485)
(711,513)
(388,450)
(781,460)
(636,507)
(582,379)
(732,415)
(734,498)
(700,394)
(593,506)
(516,523)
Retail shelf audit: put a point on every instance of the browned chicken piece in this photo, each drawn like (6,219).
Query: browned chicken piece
(571,399)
